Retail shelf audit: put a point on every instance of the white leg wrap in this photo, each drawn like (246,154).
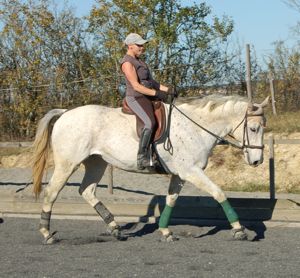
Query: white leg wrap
(165,231)
(171,200)
(113,224)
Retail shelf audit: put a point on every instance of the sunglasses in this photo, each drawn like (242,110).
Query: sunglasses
(139,45)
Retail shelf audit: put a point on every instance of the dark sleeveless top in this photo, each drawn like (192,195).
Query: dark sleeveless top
(143,74)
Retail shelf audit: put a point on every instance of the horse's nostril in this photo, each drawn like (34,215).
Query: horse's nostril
(255,163)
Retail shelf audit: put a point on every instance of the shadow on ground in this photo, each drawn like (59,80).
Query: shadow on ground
(142,229)
(196,209)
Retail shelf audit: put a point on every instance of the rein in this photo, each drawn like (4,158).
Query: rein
(222,140)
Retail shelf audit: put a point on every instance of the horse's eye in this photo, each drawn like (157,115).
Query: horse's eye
(253,129)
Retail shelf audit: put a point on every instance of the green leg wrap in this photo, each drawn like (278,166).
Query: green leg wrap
(165,217)
(229,212)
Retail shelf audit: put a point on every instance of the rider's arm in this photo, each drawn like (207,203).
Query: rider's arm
(130,73)
(157,86)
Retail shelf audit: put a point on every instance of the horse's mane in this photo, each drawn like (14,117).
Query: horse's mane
(209,104)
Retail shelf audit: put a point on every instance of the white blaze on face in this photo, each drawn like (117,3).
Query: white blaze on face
(254,137)
(254,133)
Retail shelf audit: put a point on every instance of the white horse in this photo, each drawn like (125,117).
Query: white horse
(96,136)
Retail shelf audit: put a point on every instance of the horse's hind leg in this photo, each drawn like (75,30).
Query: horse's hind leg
(94,169)
(62,172)
(175,187)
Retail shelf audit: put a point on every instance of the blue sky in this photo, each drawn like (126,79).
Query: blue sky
(257,22)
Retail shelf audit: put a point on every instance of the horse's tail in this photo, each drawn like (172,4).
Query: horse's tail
(41,147)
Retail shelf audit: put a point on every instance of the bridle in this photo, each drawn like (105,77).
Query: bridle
(245,132)
(222,140)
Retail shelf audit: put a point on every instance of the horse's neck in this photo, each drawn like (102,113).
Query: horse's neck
(220,125)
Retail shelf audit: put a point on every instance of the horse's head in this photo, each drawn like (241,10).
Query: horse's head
(251,133)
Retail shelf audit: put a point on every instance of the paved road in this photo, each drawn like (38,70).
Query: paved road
(200,252)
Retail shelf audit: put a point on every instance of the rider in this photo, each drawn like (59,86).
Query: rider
(140,89)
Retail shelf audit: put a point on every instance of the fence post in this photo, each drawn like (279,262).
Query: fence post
(271,167)
(248,75)
(272,94)
(110,186)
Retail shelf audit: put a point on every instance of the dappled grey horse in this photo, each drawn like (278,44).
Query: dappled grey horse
(97,136)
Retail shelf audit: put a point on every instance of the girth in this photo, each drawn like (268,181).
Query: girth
(160,117)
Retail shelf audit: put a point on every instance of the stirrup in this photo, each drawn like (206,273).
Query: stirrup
(142,162)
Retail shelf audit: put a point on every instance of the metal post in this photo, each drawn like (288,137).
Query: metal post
(110,186)
(272,94)
(248,74)
(271,167)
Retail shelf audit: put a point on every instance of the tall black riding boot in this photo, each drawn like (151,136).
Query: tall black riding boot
(143,159)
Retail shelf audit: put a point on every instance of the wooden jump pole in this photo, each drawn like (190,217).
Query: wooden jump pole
(248,73)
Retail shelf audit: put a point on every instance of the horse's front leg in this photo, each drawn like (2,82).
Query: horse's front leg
(175,187)
(197,177)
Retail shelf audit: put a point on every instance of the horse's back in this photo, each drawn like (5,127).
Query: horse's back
(86,118)
(92,129)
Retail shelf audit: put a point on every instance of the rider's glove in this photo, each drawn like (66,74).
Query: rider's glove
(161,95)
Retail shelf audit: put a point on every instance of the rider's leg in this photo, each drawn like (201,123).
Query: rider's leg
(143,108)
(143,159)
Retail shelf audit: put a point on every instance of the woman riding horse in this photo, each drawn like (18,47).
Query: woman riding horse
(141,88)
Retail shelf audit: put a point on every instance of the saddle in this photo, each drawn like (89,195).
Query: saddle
(160,116)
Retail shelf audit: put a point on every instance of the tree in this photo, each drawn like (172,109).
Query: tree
(184,48)
(51,58)
(295,6)
(43,55)
(284,66)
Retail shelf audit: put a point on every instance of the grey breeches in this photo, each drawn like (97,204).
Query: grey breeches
(143,108)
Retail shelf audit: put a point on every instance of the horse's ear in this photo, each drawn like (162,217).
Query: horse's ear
(265,102)
(257,109)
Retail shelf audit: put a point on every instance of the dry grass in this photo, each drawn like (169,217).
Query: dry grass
(288,122)
(12,151)
(249,187)
(257,187)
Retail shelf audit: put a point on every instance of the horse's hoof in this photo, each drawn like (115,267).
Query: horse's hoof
(169,238)
(50,239)
(239,234)
(116,233)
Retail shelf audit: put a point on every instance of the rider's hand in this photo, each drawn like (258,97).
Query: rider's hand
(164,96)
(161,95)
